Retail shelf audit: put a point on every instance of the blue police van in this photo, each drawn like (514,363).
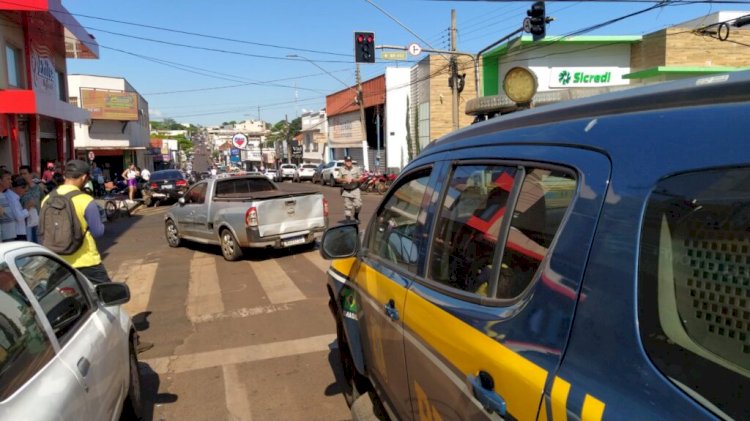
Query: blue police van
(584,260)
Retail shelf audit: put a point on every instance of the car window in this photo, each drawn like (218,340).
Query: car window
(694,286)
(243,187)
(59,292)
(472,220)
(394,233)
(196,194)
(24,347)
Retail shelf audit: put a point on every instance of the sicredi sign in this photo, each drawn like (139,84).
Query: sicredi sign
(581,77)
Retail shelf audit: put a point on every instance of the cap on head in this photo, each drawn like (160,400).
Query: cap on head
(76,168)
(348,158)
(19,181)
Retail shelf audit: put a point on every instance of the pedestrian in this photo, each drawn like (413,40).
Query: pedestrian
(97,177)
(7,217)
(34,194)
(106,172)
(86,259)
(131,175)
(214,171)
(19,187)
(48,173)
(350,178)
(146,174)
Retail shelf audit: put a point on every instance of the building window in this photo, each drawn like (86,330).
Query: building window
(694,286)
(62,86)
(13,60)
(73,100)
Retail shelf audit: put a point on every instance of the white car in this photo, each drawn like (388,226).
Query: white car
(305,172)
(270,174)
(331,172)
(67,348)
(286,171)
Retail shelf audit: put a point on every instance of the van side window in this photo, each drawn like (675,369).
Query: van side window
(694,286)
(471,220)
(396,230)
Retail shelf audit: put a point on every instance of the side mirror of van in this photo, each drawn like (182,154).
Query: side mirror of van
(340,241)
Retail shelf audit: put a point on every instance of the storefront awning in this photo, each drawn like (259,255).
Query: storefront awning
(26,101)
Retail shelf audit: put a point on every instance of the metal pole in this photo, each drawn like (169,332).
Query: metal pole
(454,71)
(377,131)
(362,121)
(484,50)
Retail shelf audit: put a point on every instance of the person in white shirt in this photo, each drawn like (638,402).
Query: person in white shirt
(19,187)
(7,218)
(146,174)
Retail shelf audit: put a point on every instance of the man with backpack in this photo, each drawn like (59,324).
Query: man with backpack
(69,222)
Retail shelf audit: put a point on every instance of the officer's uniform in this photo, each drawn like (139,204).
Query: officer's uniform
(352,197)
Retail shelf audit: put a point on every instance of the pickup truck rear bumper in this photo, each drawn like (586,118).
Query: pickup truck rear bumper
(284,240)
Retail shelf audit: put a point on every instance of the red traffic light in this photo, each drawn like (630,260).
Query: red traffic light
(364,47)
(360,38)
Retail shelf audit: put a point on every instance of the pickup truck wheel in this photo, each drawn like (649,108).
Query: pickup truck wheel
(173,236)
(229,247)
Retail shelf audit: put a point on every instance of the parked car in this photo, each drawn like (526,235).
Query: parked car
(165,185)
(270,174)
(316,178)
(586,259)
(304,172)
(286,172)
(331,172)
(246,211)
(67,348)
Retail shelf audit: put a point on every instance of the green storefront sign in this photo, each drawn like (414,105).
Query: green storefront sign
(583,78)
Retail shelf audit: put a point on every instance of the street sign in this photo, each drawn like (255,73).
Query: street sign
(414,49)
(91,155)
(239,141)
(234,151)
(527,25)
(393,55)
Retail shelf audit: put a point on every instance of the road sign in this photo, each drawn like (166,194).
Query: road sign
(527,25)
(91,155)
(393,55)
(239,141)
(414,49)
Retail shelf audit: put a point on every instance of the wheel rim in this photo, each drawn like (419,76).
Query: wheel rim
(171,233)
(227,244)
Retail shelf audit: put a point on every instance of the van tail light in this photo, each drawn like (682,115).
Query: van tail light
(181,183)
(325,207)
(251,217)
(154,186)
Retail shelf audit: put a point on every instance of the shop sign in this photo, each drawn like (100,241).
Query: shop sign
(235,152)
(563,77)
(43,71)
(239,141)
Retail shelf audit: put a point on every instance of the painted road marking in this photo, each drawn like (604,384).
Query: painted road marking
(204,291)
(140,283)
(241,313)
(239,355)
(278,286)
(236,394)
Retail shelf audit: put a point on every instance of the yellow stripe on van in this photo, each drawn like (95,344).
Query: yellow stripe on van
(343,266)
(518,381)
(559,399)
(593,409)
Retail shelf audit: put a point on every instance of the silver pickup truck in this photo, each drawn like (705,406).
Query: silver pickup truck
(245,211)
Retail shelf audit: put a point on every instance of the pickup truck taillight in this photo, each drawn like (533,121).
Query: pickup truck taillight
(251,217)
(325,207)
(154,186)
(181,183)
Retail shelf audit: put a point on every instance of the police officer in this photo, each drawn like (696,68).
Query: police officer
(349,178)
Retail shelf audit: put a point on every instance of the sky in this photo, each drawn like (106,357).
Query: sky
(236,66)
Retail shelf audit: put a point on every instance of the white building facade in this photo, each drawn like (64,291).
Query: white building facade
(397,89)
(314,136)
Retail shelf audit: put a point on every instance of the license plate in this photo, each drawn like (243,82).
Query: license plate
(293,241)
(167,186)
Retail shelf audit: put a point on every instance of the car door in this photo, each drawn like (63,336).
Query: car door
(199,212)
(390,260)
(29,367)
(90,340)
(186,213)
(486,327)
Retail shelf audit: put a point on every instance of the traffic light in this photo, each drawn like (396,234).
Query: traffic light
(538,20)
(364,47)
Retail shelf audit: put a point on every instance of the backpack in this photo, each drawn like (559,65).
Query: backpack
(59,226)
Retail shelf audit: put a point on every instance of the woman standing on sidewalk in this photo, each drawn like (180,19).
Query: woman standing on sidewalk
(131,175)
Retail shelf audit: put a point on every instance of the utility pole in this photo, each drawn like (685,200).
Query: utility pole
(361,101)
(454,71)
(262,138)
(377,135)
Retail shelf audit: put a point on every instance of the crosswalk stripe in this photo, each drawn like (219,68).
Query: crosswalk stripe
(140,283)
(204,291)
(236,395)
(278,286)
(315,258)
(244,354)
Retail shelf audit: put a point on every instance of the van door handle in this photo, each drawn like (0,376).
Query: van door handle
(390,310)
(483,387)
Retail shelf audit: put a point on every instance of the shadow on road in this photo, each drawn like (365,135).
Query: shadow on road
(150,391)
(335,388)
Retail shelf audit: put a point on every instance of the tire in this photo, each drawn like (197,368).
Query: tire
(381,188)
(133,408)
(110,209)
(172,234)
(354,385)
(229,247)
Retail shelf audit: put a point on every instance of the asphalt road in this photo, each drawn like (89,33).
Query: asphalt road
(246,340)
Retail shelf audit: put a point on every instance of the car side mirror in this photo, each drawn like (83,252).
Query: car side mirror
(340,241)
(113,293)
(181,201)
